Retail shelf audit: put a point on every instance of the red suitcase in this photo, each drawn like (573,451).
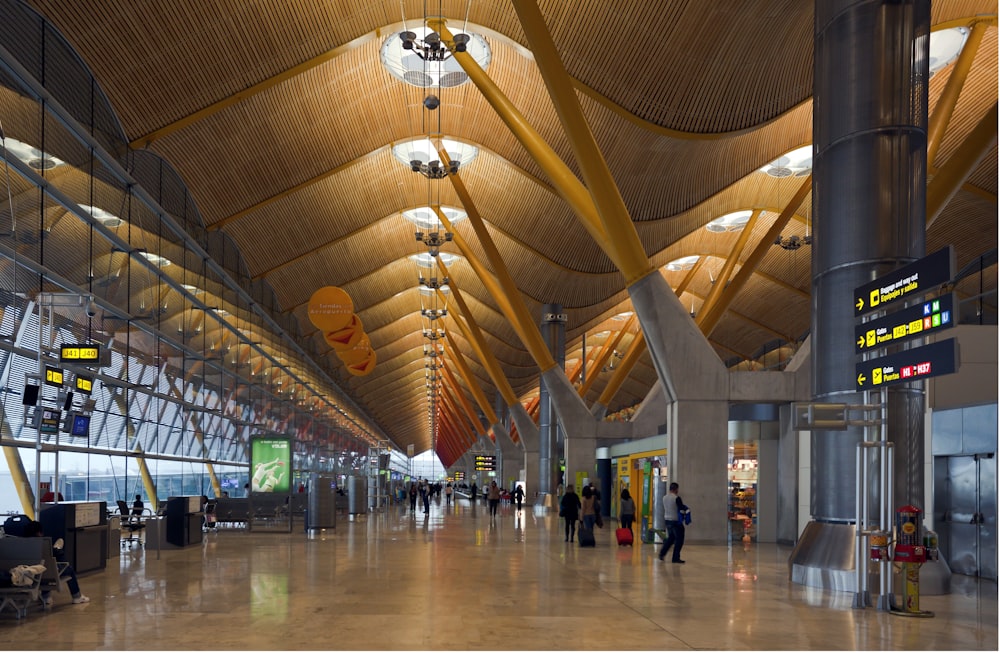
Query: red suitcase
(624,536)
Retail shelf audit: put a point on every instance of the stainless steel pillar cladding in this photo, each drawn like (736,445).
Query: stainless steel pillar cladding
(869,186)
(553,327)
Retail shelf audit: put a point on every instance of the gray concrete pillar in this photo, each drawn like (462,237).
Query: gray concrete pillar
(787,527)
(697,451)
(580,445)
(528,433)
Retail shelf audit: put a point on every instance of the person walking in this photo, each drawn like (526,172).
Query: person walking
(519,496)
(413,497)
(588,511)
(626,509)
(425,495)
(569,509)
(674,514)
(493,497)
(447,494)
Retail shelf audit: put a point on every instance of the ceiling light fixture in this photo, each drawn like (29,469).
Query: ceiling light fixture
(418,57)
(796,163)
(734,221)
(421,155)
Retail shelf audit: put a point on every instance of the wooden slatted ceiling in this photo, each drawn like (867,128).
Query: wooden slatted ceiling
(690,49)
(979,93)
(707,53)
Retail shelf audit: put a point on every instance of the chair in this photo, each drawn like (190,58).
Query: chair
(132,525)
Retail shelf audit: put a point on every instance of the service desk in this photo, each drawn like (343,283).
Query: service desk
(83,526)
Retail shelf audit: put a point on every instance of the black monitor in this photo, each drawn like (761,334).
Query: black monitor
(30,396)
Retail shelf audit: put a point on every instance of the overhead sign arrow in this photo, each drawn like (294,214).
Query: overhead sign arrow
(913,280)
(861,380)
(916,321)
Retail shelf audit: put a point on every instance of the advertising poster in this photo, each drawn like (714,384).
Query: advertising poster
(271,465)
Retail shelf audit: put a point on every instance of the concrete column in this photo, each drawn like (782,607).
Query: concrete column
(787,527)
(697,451)
(580,426)
(545,438)
(529,436)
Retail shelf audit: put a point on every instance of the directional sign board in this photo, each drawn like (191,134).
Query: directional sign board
(921,320)
(79,353)
(907,282)
(912,365)
(486,463)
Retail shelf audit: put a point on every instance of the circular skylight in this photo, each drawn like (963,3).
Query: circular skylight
(427,64)
(796,163)
(32,156)
(425,260)
(730,222)
(426,218)
(429,292)
(109,220)
(685,263)
(155,259)
(946,45)
(424,151)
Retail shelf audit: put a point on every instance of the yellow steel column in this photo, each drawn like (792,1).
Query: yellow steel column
(938,123)
(708,320)
(20,478)
(476,338)
(451,385)
(609,347)
(635,350)
(200,437)
(520,317)
(960,165)
(147,478)
(565,182)
(634,263)
(448,403)
(727,267)
(463,368)
(630,359)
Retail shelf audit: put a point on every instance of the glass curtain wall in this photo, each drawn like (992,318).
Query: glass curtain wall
(102,249)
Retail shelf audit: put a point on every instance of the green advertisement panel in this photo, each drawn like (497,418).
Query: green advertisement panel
(271,462)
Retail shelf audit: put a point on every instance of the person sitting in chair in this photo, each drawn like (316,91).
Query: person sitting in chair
(137,506)
(34,529)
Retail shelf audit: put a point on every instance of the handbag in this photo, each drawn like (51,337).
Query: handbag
(598,521)
(562,512)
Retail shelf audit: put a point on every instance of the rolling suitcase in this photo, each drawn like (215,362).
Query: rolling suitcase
(624,536)
(585,536)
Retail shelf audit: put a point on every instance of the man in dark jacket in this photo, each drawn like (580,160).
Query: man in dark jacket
(569,508)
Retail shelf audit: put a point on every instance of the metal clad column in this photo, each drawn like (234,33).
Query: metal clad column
(869,187)
(553,327)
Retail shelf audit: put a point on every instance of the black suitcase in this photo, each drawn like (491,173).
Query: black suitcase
(585,536)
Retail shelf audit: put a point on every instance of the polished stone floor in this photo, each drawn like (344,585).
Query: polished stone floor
(459,580)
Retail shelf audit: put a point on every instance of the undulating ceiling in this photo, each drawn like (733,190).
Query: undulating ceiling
(281,119)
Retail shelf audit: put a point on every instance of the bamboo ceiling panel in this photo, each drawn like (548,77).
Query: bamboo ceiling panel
(691,49)
(686,101)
